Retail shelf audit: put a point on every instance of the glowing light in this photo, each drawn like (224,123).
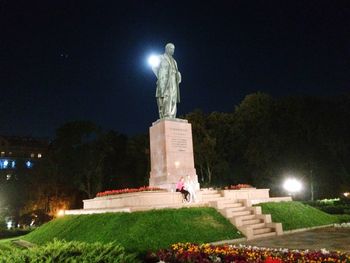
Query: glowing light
(292,185)
(29,164)
(177,164)
(346,194)
(60,213)
(154,60)
(6,163)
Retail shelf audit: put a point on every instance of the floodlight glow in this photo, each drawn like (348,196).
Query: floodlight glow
(292,185)
(60,213)
(153,61)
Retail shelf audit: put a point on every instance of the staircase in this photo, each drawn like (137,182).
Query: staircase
(247,218)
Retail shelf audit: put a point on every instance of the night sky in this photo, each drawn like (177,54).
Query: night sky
(87,60)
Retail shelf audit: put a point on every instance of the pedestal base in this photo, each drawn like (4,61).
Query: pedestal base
(171,153)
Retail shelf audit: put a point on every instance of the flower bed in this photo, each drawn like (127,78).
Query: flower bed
(187,252)
(238,187)
(129,190)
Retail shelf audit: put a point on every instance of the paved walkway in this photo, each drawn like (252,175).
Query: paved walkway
(329,238)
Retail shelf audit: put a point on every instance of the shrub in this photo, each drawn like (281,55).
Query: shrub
(2,223)
(334,209)
(331,206)
(62,251)
(343,218)
(4,233)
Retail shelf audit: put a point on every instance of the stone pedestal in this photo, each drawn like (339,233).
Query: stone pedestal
(171,153)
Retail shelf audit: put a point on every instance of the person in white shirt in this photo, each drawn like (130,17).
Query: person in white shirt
(190,187)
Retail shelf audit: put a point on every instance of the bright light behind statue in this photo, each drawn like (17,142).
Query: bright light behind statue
(292,185)
(153,61)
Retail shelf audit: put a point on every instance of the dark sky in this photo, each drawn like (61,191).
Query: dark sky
(87,60)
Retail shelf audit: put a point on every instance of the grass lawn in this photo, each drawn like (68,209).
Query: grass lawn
(294,215)
(140,231)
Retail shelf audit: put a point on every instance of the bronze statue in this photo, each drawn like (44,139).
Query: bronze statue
(169,78)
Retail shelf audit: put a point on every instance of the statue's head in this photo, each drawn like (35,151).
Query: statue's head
(169,49)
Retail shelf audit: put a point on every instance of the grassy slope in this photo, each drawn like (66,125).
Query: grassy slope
(294,215)
(140,231)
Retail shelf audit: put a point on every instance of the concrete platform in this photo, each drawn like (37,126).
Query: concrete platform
(142,201)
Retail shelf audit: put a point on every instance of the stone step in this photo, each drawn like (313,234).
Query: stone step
(235,209)
(220,204)
(269,234)
(263,230)
(208,201)
(238,213)
(252,222)
(247,217)
(255,226)
(234,206)
(226,200)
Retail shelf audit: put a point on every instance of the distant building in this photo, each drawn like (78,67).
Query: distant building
(20,154)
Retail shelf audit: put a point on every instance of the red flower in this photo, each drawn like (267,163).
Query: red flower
(128,190)
(273,260)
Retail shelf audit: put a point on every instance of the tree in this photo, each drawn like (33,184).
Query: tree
(255,136)
(204,146)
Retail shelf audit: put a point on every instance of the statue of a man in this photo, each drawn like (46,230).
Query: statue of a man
(169,78)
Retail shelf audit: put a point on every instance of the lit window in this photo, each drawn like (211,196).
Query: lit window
(2,153)
(29,164)
(6,163)
(39,155)
(32,155)
(13,164)
(10,153)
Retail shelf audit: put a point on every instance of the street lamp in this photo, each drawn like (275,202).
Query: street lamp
(292,185)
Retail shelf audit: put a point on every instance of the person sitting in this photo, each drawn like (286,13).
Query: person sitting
(190,187)
(180,187)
